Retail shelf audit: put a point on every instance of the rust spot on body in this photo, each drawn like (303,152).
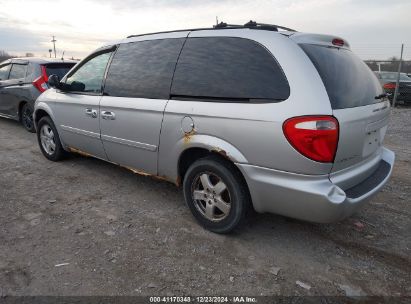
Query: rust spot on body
(135,171)
(222,152)
(178,181)
(139,172)
(82,153)
(188,135)
(143,173)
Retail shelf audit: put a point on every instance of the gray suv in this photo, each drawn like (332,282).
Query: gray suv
(22,80)
(240,116)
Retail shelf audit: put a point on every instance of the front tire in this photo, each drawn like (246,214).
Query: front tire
(27,118)
(216,194)
(49,140)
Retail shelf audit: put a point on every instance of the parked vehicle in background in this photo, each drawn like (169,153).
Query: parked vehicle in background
(22,80)
(389,81)
(239,115)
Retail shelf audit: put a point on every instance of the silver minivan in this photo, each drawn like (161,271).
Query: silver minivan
(255,116)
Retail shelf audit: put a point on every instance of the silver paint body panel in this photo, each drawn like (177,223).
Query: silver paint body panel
(148,135)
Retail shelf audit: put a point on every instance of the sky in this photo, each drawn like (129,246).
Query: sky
(374,28)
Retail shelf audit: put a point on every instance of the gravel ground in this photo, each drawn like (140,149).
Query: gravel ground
(86,227)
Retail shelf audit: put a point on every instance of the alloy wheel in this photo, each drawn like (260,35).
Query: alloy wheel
(211,196)
(47,139)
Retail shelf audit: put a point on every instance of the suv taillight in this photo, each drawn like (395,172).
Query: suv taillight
(40,83)
(315,137)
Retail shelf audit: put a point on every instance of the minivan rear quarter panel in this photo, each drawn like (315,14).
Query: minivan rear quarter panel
(255,130)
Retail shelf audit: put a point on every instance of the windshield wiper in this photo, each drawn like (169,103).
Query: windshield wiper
(381,96)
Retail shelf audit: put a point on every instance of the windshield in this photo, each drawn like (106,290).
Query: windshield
(348,80)
(393,76)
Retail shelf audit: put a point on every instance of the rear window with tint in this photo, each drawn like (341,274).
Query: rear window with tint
(58,69)
(348,80)
(228,69)
(18,71)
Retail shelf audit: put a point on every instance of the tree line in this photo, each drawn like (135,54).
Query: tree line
(4,55)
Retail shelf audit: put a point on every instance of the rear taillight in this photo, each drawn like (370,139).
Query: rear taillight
(338,42)
(389,86)
(315,137)
(40,83)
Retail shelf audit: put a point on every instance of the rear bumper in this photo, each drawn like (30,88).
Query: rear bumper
(312,198)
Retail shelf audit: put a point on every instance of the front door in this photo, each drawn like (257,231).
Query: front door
(78,105)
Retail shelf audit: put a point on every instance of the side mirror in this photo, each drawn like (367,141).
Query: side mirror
(54,81)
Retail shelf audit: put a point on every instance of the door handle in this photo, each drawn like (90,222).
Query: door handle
(91,112)
(108,115)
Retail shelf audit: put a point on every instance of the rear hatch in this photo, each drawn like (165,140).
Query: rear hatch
(355,96)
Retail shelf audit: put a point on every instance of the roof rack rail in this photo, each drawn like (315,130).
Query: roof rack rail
(256,25)
(222,25)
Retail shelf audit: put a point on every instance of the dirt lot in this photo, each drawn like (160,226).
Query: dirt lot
(86,227)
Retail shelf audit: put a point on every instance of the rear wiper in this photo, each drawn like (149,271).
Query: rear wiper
(381,96)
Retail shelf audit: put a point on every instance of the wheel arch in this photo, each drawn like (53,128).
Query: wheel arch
(20,108)
(40,111)
(193,147)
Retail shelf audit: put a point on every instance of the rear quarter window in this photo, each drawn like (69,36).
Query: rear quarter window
(348,80)
(228,69)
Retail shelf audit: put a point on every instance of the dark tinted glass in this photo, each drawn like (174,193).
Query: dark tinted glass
(4,72)
(228,69)
(89,77)
(58,69)
(143,69)
(18,71)
(348,80)
(394,76)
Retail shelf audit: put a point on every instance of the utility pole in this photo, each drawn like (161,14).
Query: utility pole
(397,85)
(54,46)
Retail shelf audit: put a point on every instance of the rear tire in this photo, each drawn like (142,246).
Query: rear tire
(27,118)
(49,140)
(216,194)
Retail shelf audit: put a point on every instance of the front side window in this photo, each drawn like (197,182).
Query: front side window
(4,72)
(228,69)
(89,77)
(18,71)
(143,69)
